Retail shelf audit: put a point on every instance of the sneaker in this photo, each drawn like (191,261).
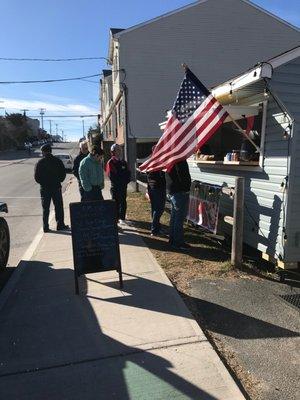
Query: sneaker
(63,228)
(46,229)
(122,222)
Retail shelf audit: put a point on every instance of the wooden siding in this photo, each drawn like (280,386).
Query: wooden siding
(286,84)
(218,39)
(265,199)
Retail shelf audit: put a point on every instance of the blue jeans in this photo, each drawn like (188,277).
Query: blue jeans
(179,202)
(158,200)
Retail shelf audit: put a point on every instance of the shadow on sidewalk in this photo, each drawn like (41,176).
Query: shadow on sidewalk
(52,346)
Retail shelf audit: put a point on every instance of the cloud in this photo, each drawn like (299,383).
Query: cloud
(51,107)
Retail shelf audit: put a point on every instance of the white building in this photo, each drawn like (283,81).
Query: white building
(218,39)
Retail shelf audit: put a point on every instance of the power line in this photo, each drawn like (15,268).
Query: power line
(53,59)
(65,116)
(86,80)
(50,80)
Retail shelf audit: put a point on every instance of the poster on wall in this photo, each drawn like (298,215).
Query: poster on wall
(204,205)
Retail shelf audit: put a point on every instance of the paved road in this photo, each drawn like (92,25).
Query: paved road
(19,190)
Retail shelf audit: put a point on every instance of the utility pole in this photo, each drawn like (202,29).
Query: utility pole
(42,112)
(24,111)
(56,125)
(83,135)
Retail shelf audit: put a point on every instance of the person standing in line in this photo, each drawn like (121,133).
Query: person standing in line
(91,175)
(178,184)
(83,152)
(50,173)
(119,175)
(156,186)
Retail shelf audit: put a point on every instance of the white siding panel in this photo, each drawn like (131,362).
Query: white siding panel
(286,84)
(199,36)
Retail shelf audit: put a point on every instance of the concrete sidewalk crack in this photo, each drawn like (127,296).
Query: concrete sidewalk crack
(162,345)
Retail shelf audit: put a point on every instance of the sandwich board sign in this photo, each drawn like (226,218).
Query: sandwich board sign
(95,238)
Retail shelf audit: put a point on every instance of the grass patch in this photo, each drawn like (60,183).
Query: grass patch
(208,257)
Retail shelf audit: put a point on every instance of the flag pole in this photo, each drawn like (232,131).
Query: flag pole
(241,130)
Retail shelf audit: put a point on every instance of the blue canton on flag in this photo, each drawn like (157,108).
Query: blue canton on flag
(196,115)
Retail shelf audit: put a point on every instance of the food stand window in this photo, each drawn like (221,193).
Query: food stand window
(229,145)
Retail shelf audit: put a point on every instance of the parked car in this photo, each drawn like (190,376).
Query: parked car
(67,160)
(4,238)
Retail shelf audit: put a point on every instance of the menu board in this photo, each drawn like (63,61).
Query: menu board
(95,237)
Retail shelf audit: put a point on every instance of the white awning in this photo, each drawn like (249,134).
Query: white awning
(239,112)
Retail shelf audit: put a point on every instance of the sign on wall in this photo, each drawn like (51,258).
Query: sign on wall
(204,205)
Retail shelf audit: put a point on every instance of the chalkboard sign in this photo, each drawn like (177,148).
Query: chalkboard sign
(95,238)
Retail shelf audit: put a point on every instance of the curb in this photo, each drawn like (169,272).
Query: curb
(16,275)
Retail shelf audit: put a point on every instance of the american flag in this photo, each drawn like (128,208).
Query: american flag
(195,116)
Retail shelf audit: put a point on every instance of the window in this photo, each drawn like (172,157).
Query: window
(229,146)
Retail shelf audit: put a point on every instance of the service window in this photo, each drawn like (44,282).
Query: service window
(230,146)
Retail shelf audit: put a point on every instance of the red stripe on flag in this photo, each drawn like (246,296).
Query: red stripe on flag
(170,139)
(181,150)
(188,149)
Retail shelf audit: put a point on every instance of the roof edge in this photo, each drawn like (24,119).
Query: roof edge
(264,69)
(167,14)
(248,2)
(259,8)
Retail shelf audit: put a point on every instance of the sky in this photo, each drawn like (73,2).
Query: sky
(73,29)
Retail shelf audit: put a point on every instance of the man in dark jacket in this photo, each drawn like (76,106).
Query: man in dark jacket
(83,152)
(49,173)
(119,175)
(178,183)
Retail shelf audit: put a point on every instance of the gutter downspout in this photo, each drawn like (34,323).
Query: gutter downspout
(111,108)
(125,113)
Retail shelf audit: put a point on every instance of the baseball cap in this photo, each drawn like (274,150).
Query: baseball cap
(114,147)
(46,148)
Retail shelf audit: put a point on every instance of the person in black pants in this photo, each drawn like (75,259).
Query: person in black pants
(157,193)
(49,173)
(119,175)
(84,151)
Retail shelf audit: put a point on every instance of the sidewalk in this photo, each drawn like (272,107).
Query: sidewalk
(138,343)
